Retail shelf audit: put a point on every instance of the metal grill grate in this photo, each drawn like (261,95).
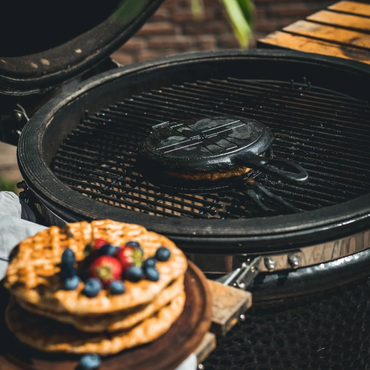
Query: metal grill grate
(327,133)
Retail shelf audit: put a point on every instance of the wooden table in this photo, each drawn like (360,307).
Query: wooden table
(341,30)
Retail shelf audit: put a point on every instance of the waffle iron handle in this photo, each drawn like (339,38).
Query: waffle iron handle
(290,171)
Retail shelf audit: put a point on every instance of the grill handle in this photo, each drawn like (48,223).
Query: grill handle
(283,169)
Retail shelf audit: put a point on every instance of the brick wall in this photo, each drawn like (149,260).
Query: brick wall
(173,29)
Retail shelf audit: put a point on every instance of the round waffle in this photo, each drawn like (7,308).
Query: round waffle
(33,275)
(51,336)
(212,175)
(121,320)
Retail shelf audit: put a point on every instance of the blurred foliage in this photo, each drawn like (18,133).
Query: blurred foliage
(197,8)
(241,17)
(6,185)
(240,13)
(128,9)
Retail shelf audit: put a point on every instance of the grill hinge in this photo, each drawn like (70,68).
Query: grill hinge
(11,124)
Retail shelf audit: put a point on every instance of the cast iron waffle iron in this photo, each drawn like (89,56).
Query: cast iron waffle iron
(211,149)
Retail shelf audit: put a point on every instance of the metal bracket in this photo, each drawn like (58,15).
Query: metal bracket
(244,275)
(31,201)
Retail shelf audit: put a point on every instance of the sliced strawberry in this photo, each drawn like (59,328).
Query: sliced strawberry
(92,247)
(106,269)
(130,256)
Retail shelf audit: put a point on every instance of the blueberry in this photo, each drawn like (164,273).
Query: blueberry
(134,274)
(108,250)
(150,262)
(133,244)
(162,254)
(68,270)
(117,287)
(92,287)
(90,362)
(68,257)
(152,274)
(71,283)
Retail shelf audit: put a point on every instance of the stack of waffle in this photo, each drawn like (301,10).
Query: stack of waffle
(46,316)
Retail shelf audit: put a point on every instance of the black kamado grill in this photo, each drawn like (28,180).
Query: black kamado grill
(301,248)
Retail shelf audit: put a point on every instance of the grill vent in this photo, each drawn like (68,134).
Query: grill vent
(327,133)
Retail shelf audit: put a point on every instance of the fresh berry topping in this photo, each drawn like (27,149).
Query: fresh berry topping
(130,256)
(150,262)
(133,244)
(152,274)
(92,287)
(68,257)
(71,283)
(162,254)
(106,268)
(88,250)
(117,287)
(134,274)
(68,270)
(84,267)
(90,362)
(108,250)
(84,272)
(98,243)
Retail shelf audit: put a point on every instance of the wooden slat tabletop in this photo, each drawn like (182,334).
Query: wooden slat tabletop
(351,8)
(341,20)
(330,34)
(341,30)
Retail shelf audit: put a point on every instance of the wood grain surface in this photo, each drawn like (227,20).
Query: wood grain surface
(342,30)
(342,20)
(206,347)
(165,353)
(330,33)
(301,43)
(228,304)
(353,7)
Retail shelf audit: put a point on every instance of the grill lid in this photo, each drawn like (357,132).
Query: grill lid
(44,45)
(213,144)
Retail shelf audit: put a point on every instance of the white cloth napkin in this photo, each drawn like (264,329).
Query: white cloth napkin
(14,225)
(17,222)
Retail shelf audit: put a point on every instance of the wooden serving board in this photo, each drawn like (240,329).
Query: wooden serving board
(165,353)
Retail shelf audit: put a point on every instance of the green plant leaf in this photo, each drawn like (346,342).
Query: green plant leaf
(6,185)
(128,9)
(238,21)
(248,10)
(197,8)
